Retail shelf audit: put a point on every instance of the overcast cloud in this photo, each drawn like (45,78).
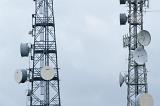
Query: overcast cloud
(90,51)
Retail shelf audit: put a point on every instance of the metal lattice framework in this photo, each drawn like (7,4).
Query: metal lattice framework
(44,53)
(137,74)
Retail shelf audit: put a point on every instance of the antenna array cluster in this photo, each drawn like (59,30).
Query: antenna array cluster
(136,40)
(42,74)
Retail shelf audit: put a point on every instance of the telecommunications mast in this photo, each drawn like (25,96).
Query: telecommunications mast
(42,75)
(136,40)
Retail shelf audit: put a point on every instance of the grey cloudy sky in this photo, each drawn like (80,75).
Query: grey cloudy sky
(89,49)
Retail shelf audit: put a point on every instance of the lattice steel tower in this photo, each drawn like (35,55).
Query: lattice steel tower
(42,75)
(136,78)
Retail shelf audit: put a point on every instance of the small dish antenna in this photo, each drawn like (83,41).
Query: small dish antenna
(140,55)
(144,99)
(121,79)
(47,73)
(21,76)
(123,19)
(144,38)
(24,49)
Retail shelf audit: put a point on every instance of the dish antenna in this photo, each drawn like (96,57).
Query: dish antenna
(123,19)
(144,38)
(121,79)
(21,76)
(24,49)
(140,55)
(144,99)
(47,73)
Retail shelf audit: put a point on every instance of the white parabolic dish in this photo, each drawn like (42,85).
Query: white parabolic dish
(140,55)
(21,76)
(47,73)
(144,38)
(144,100)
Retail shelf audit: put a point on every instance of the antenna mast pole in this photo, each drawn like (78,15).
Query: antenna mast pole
(42,75)
(44,54)
(136,78)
